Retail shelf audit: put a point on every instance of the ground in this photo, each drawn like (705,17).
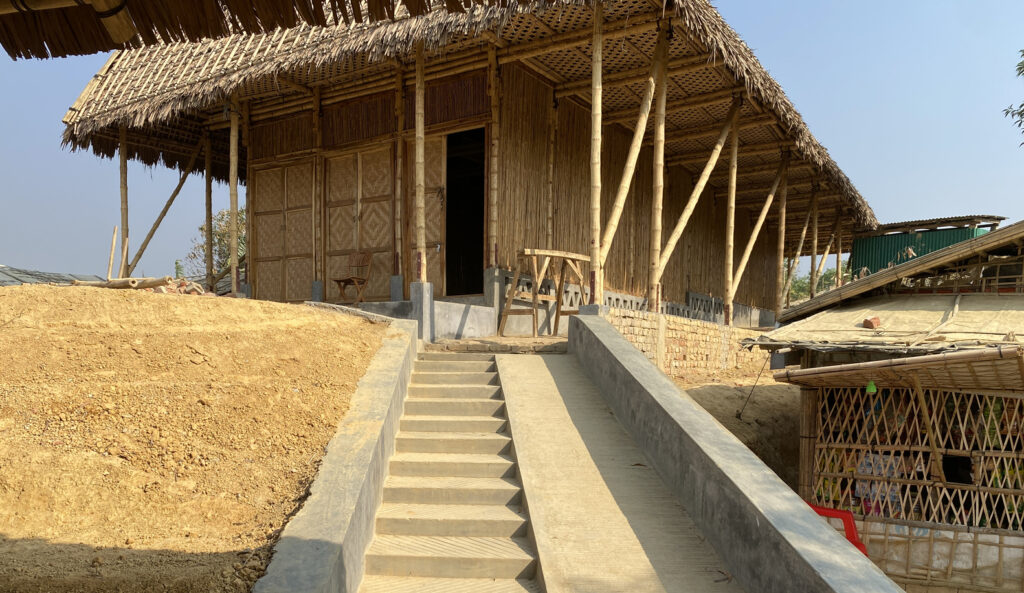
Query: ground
(160,442)
(770,423)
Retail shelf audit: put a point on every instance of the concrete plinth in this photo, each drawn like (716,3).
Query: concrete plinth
(422,296)
(397,288)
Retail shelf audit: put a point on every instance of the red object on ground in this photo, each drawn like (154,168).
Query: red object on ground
(872,322)
(848,525)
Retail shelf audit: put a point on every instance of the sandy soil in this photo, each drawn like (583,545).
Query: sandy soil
(770,425)
(160,442)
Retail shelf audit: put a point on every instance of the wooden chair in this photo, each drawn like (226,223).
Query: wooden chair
(360,268)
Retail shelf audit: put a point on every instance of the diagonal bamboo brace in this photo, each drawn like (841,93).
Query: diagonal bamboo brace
(780,178)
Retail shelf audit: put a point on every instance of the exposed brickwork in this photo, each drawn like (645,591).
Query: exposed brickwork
(690,346)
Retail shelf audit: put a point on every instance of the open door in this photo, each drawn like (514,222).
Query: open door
(464,213)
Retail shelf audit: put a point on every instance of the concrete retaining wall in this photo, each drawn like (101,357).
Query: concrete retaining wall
(767,536)
(322,547)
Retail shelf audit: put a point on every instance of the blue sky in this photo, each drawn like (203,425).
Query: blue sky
(907,96)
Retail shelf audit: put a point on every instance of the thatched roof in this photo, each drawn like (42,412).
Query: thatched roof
(59,28)
(167,95)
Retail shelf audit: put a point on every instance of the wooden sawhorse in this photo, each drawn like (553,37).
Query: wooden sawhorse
(538,261)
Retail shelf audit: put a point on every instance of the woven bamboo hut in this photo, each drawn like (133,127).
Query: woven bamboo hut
(645,137)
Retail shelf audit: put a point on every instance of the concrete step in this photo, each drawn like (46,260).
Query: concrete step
(453,424)
(452,465)
(453,378)
(451,490)
(455,366)
(454,390)
(452,442)
(387,584)
(448,406)
(450,557)
(456,356)
(450,519)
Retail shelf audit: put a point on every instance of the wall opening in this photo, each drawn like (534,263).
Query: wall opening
(464,213)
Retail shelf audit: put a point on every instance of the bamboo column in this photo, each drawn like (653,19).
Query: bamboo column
(634,148)
(596,278)
(233,192)
(421,233)
(780,278)
(730,227)
(399,168)
(494,87)
(814,244)
(839,256)
(658,194)
(208,172)
(780,180)
(549,235)
(122,153)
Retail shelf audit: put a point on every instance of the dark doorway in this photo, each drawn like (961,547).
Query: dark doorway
(464,213)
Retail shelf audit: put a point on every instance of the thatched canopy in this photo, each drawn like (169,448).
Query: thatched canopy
(168,95)
(59,28)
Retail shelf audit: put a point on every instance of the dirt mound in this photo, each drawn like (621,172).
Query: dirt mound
(159,443)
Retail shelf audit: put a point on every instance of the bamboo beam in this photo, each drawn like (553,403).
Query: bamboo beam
(692,102)
(711,129)
(780,178)
(698,187)
(494,89)
(571,39)
(658,187)
(764,169)
(730,228)
(167,206)
(122,153)
(596,280)
(795,262)
(399,171)
(420,174)
(780,281)
(814,243)
(761,148)
(629,168)
(233,194)
(627,77)
(208,173)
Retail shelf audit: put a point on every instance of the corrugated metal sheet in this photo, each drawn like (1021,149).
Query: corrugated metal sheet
(883,251)
(17,276)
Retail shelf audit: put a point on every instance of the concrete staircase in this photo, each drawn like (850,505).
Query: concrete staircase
(452,518)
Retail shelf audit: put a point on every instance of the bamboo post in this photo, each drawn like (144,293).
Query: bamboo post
(780,179)
(596,279)
(208,165)
(926,419)
(780,280)
(634,148)
(730,227)
(698,187)
(814,244)
(794,262)
(839,256)
(493,84)
(399,168)
(122,153)
(658,193)
(549,235)
(421,233)
(110,262)
(808,440)
(167,206)
(233,193)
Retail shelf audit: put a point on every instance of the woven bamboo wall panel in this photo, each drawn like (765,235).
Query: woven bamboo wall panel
(874,457)
(269,230)
(377,172)
(380,286)
(342,231)
(298,232)
(298,279)
(337,267)
(282,136)
(299,183)
(341,174)
(375,224)
(359,119)
(433,213)
(270,280)
(268,186)
(450,99)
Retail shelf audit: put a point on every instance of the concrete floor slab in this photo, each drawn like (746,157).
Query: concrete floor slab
(603,520)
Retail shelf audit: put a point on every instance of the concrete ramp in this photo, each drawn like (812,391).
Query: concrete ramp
(602,519)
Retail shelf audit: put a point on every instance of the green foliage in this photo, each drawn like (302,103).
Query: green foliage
(1017,113)
(179,270)
(195,260)
(801,288)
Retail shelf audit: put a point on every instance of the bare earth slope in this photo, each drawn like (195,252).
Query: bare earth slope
(159,442)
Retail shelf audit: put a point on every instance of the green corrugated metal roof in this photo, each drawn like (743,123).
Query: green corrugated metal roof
(878,253)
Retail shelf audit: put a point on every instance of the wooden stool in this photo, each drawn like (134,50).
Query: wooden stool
(360,267)
(529,258)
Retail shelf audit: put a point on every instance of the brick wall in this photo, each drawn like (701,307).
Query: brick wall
(681,346)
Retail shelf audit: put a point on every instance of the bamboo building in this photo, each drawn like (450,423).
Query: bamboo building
(444,138)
